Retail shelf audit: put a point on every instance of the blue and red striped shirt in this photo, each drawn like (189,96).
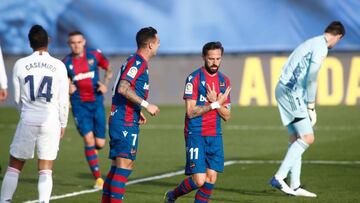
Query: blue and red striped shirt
(83,72)
(135,71)
(208,124)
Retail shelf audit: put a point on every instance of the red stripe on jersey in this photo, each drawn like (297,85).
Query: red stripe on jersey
(85,86)
(120,178)
(101,59)
(209,119)
(129,110)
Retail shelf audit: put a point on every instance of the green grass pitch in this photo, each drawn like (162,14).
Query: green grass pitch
(253,133)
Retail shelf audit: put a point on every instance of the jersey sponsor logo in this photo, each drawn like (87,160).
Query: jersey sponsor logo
(91,62)
(146,86)
(202,98)
(125,133)
(132,72)
(203,83)
(188,88)
(82,76)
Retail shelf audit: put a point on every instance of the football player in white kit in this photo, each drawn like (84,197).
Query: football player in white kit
(42,94)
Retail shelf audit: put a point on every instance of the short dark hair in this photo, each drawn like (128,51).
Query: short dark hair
(335,28)
(76,32)
(144,35)
(38,37)
(211,46)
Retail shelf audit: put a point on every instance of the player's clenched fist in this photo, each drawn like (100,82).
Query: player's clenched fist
(152,109)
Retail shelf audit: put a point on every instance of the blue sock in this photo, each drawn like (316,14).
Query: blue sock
(203,194)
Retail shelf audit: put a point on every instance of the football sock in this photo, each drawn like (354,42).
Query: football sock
(203,194)
(183,188)
(295,172)
(9,184)
(107,185)
(93,160)
(294,153)
(117,185)
(45,185)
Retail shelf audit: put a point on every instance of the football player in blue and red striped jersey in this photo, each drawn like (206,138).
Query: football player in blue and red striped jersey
(129,96)
(207,101)
(87,100)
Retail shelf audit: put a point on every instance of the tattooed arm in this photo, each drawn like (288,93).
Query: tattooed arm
(193,111)
(125,90)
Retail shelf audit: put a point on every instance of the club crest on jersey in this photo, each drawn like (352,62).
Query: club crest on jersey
(188,88)
(202,98)
(125,133)
(132,72)
(91,62)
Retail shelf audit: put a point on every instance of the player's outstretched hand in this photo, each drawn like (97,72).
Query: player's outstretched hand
(101,87)
(152,109)
(211,94)
(62,132)
(223,97)
(72,88)
(142,119)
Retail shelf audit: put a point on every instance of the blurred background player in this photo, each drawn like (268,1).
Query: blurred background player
(295,94)
(3,79)
(129,95)
(87,97)
(3,82)
(41,92)
(207,101)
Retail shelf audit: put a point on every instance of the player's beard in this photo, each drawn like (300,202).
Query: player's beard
(211,69)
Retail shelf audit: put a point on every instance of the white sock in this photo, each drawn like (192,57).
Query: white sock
(45,185)
(295,172)
(294,153)
(9,184)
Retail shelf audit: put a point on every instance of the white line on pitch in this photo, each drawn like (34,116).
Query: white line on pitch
(227,163)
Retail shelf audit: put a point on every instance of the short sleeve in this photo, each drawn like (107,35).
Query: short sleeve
(133,70)
(191,88)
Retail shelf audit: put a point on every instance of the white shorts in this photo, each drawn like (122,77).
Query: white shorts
(46,139)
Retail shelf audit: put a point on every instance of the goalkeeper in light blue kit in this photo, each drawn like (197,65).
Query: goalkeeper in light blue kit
(295,94)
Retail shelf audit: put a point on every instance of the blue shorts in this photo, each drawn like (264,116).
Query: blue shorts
(90,116)
(290,103)
(123,140)
(204,152)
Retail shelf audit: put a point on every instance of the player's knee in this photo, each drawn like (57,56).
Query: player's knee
(309,139)
(99,146)
(199,181)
